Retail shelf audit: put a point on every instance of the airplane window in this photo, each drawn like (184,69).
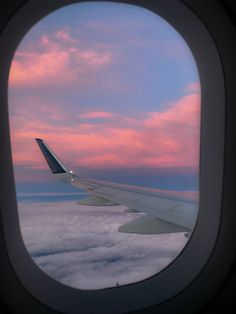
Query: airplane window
(104,103)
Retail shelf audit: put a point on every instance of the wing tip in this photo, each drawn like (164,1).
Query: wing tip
(37,139)
(53,161)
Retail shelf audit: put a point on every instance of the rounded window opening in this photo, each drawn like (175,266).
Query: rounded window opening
(108,192)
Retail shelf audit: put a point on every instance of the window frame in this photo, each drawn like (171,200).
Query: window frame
(169,282)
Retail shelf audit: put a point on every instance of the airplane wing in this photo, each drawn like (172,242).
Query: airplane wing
(164,211)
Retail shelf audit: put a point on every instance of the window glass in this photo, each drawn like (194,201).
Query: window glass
(114,91)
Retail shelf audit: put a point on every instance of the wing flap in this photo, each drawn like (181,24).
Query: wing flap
(150,225)
(96,201)
(158,203)
(130,211)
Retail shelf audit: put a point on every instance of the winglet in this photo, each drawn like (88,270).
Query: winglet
(54,163)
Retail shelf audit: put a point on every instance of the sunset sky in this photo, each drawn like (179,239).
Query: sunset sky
(108,87)
(114,90)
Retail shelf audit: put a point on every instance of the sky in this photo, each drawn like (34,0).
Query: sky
(114,90)
(108,86)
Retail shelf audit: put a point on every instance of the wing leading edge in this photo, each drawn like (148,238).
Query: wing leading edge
(165,211)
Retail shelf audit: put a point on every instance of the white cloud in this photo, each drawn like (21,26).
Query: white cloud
(81,247)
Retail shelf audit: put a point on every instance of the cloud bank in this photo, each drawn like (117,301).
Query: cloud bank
(57,59)
(105,94)
(80,246)
(97,139)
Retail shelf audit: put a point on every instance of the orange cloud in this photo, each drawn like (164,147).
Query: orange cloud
(156,139)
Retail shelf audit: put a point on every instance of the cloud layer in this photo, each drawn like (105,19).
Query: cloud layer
(105,94)
(57,60)
(96,139)
(81,247)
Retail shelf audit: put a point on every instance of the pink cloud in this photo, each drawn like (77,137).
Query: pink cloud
(65,36)
(181,112)
(35,68)
(156,139)
(193,88)
(55,60)
(97,115)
